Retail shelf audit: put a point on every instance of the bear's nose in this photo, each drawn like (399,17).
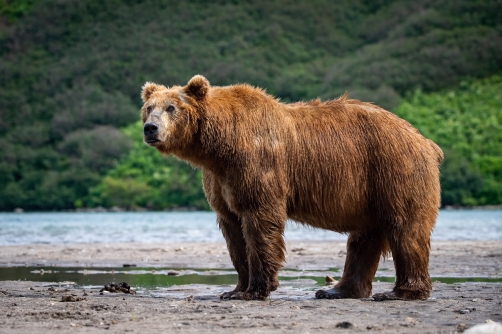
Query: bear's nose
(150,129)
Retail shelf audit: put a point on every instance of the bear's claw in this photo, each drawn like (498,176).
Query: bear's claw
(329,294)
(391,295)
(238,295)
(227,295)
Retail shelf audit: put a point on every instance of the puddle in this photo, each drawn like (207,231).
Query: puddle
(147,278)
(157,278)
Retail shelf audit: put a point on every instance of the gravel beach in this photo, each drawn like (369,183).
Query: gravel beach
(28,306)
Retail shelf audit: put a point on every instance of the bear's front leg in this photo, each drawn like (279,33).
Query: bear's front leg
(232,232)
(265,253)
(230,226)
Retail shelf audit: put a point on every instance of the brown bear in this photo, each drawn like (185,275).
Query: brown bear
(341,165)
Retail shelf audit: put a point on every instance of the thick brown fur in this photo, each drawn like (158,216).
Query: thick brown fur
(341,165)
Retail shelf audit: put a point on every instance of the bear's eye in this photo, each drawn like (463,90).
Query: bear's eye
(170,108)
(149,109)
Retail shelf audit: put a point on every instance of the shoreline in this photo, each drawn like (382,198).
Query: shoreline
(101,209)
(447,258)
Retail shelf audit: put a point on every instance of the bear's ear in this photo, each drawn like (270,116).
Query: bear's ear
(148,89)
(197,87)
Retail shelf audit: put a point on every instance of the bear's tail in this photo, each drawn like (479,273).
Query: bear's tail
(437,150)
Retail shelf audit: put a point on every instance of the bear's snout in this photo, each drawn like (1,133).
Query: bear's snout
(151,130)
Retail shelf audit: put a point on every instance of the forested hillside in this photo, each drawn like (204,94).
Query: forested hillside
(71,72)
(467,124)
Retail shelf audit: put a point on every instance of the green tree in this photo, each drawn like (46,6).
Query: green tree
(466,123)
(145,178)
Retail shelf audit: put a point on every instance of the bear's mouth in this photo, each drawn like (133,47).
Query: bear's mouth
(152,141)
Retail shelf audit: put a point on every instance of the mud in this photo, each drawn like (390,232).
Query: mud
(28,307)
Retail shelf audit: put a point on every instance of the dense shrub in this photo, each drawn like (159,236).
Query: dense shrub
(144,178)
(466,123)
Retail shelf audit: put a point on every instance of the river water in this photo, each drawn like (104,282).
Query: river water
(56,228)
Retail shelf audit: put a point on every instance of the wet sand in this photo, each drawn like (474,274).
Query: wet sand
(448,258)
(31,306)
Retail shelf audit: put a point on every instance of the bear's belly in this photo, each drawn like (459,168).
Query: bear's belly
(337,222)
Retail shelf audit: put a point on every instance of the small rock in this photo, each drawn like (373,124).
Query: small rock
(121,287)
(344,324)
(464,311)
(330,280)
(52,289)
(173,273)
(71,299)
(190,299)
(31,288)
(488,328)
(462,327)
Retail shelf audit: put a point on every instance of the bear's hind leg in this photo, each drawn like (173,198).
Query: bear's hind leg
(236,244)
(410,250)
(363,256)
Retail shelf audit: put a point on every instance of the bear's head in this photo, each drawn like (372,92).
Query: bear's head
(170,115)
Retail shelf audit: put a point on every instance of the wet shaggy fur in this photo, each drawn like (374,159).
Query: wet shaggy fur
(341,165)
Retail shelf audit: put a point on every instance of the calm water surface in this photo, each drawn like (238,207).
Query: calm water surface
(51,228)
(149,278)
